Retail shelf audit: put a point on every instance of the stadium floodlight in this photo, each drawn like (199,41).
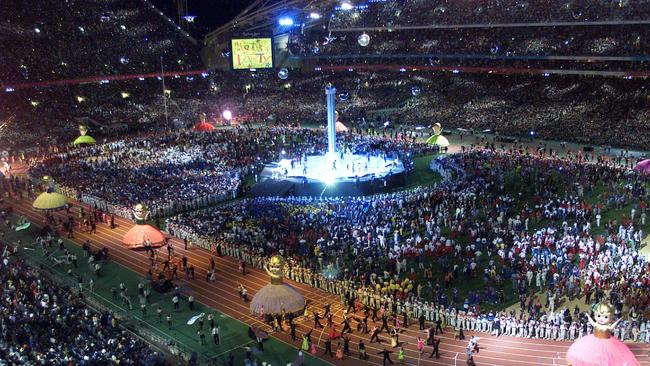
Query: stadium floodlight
(285,22)
(346,5)
(363,40)
(227,115)
(314,15)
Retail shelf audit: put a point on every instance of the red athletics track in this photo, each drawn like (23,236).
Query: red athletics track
(222,295)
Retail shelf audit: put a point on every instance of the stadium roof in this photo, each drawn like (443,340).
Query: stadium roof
(262,16)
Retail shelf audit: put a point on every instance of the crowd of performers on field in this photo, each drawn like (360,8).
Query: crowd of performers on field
(520,221)
(559,242)
(176,171)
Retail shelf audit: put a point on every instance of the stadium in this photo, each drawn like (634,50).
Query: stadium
(325,182)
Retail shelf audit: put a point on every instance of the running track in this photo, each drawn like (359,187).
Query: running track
(222,295)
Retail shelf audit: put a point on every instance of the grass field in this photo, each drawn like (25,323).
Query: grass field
(421,174)
(234,334)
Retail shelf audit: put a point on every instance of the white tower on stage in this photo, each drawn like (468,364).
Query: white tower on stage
(330,92)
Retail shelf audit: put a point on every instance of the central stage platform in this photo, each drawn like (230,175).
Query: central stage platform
(328,175)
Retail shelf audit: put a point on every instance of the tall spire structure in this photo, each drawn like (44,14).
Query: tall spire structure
(330,92)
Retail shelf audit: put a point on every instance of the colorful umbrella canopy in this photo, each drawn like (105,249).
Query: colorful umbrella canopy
(438,140)
(84,139)
(340,127)
(643,165)
(203,127)
(139,234)
(49,201)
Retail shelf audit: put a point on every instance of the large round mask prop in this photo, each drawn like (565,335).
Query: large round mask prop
(275,268)
(437,129)
(141,212)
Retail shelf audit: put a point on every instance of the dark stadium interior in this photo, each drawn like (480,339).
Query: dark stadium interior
(483,182)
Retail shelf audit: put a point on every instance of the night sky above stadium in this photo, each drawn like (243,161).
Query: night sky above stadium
(210,14)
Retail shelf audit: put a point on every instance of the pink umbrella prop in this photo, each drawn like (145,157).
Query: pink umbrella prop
(643,166)
(593,351)
(139,234)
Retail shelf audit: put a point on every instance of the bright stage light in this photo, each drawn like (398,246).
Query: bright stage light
(314,15)
(227,115)
(346,6)
(286,22)
(329,179)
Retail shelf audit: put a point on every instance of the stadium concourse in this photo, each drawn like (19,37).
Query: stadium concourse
(221,295)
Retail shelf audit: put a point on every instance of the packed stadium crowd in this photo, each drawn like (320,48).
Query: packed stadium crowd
(92,38)
(421,12)
(570,46)
(601,111)
(487,42)
(511,223)
(129,37)
(45,324)
(508,105)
